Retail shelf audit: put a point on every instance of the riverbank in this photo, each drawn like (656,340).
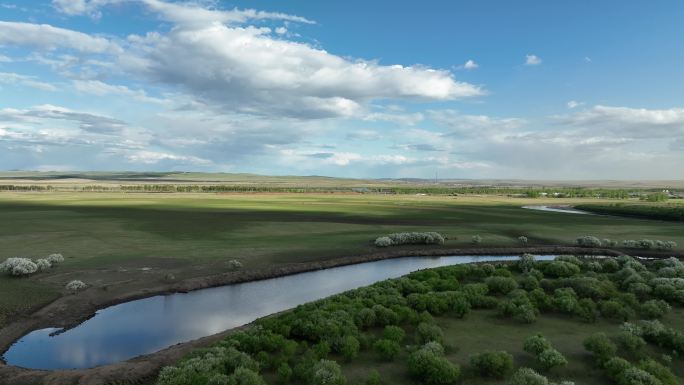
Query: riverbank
(71,310)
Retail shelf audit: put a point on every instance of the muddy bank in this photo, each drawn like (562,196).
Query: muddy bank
(71,310)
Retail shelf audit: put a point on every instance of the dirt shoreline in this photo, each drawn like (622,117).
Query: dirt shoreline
(71,310)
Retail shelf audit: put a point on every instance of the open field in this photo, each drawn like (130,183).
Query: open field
(125,242)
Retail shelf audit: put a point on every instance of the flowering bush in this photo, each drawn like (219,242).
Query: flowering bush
(414,238)
(43,264)
(476,240)
(234,264)
(383,242)
(75,285)
(527,376)
(522,239)
(526,263)
(18,266)
(55,258)
(589,241)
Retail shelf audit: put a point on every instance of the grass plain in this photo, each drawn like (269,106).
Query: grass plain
(128,240)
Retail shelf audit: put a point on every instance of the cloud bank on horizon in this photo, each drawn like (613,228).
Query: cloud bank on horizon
(325,89)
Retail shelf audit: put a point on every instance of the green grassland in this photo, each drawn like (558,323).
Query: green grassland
(468,309)
(124,240)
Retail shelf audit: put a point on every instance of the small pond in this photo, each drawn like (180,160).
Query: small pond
(558,209)
(130,329)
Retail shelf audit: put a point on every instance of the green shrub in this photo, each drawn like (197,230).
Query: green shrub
(565,300)
(492,364)
(431,368)
(630,341)
(387,349)
(615,366)
(586,309)
(528,282)
(326,372)
(600,346)
(594,266)
(636,376)
(501,285)
(560,269)
(610,265)
(393,333)
(429,332)
(659,371)
(654,309)
(551,358)
(349,347)
(244,376)
(373,378)
(536,344)
(616,311)
(321,349)
(284,373)
(588,241)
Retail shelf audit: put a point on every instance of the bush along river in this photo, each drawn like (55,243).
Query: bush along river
(144,326)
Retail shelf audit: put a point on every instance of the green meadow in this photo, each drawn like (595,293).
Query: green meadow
(124,241)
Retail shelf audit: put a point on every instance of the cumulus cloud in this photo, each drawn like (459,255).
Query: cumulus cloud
(245,69)
(45,36)
(532,60)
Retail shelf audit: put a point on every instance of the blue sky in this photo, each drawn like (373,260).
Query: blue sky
(476,89)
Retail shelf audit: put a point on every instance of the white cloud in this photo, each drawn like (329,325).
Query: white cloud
(630,122)
(244,69)
(474,125)
(574,104)
(532,60)
(404,119)
(191,14)
(470,65)
(29,81)
(48,37)
(96,87)
(154,157)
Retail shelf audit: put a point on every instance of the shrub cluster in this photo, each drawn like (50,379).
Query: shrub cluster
(75,285)
(384,319)
(588,241)
(545,355)
(429,366)
(648,244)
(492,364)
(415,238)
(25,266)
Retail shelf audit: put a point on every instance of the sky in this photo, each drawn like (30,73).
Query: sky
(527,89)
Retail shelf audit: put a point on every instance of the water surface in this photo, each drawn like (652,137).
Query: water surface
(144,326)
(558,209)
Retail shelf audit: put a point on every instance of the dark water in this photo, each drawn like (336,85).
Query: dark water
(144,326)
